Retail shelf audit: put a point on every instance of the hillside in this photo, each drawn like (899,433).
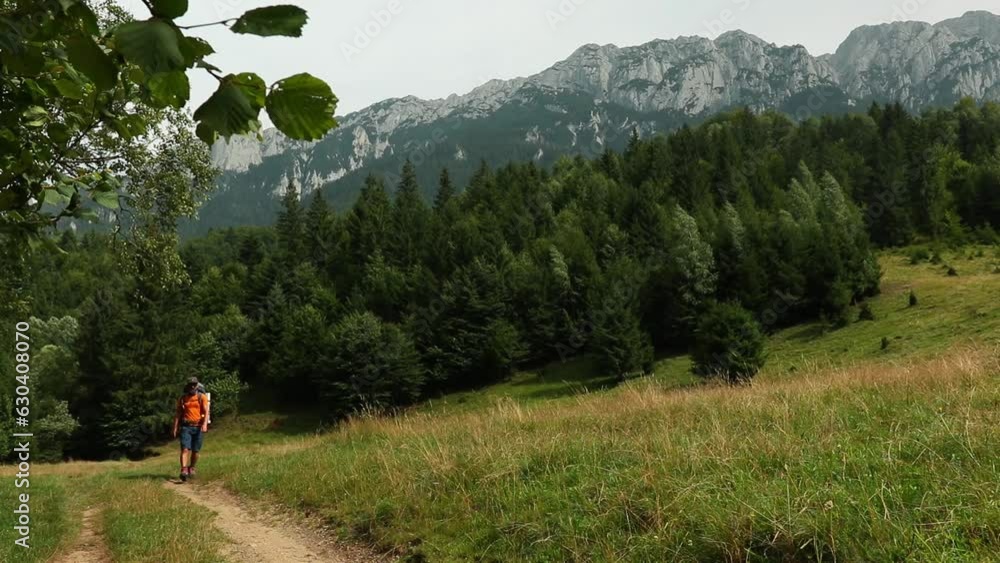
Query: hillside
(841,450)
(592,101)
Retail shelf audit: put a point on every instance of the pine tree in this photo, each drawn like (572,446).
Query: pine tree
(290,227)
(409,219)
(318,230)
(618,340)
(728,343)
(368,224)
(446,191)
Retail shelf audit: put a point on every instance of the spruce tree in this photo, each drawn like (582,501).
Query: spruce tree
(290,227)
(728,343)
(368,224)
(409,219)
(318,232)
(446,191)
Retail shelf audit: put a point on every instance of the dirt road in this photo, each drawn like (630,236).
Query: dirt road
(89,547)
(255,539)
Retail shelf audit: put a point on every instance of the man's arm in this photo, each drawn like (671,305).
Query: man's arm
(177,418)
(206,409)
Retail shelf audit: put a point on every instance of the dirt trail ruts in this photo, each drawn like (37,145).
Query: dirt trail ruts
(89,547)
(256,540)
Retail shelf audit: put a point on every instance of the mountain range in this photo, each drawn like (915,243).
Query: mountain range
(596,97)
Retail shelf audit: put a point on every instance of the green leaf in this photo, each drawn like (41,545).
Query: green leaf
(28,62)
(272,20)
(170,8)
(88,58)
(53,197)
(66,189)
(231,110)
(69,89)
(253,87)
(106,199)
(302,107)
(87,215)
(170,89)
(35,116)
(207,66)
(152,45)
(58,132)
(194,49)
(86,16)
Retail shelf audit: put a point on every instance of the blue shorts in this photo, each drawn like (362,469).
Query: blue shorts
(191,438)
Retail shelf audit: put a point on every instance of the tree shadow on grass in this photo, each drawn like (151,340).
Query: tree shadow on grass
(570,388)
(808,332)
(160,477)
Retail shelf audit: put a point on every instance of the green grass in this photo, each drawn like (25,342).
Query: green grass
(55,506)
(876,464)
(145,523)
(950,311)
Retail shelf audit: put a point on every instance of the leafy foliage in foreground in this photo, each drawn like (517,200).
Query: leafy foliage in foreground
(81,88)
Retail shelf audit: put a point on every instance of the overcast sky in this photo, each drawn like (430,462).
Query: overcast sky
(369,50)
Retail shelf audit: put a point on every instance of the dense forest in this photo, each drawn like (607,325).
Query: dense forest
(698,241)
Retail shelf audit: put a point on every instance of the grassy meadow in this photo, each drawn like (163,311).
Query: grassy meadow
(842,450)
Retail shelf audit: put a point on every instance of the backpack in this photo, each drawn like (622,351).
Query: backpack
(208,401)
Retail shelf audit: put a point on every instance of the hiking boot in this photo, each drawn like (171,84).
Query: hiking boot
(184,475)
(191,473)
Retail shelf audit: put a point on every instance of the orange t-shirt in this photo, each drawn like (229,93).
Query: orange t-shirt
(192,408)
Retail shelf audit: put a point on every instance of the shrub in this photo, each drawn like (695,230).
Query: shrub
(225,388)
(885,342)
(728,343)
(53,432)
(919,254)
(836,305)
(913,299)
(367,364)
(952,272)
(866,313)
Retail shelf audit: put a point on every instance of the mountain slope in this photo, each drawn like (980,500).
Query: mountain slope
(593,100)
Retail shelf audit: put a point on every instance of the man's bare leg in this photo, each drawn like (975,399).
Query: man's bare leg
(194,460)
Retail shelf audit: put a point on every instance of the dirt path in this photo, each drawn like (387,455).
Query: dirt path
(89,547)
(274,539)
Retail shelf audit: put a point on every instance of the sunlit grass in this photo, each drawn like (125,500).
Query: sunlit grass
(145,523)
(865,463)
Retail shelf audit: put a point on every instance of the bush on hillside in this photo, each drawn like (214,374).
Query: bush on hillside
(913,299)
(866,313)
(919,254)
(836,305)
(728,344)
(367,364)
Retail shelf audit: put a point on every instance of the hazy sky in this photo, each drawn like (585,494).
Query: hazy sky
(369,50)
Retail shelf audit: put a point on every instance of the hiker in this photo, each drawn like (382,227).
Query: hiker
(191,421)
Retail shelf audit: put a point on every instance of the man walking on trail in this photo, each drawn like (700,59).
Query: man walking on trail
(191,421)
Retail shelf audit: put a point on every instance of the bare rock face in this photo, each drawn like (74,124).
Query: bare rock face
(594,98)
